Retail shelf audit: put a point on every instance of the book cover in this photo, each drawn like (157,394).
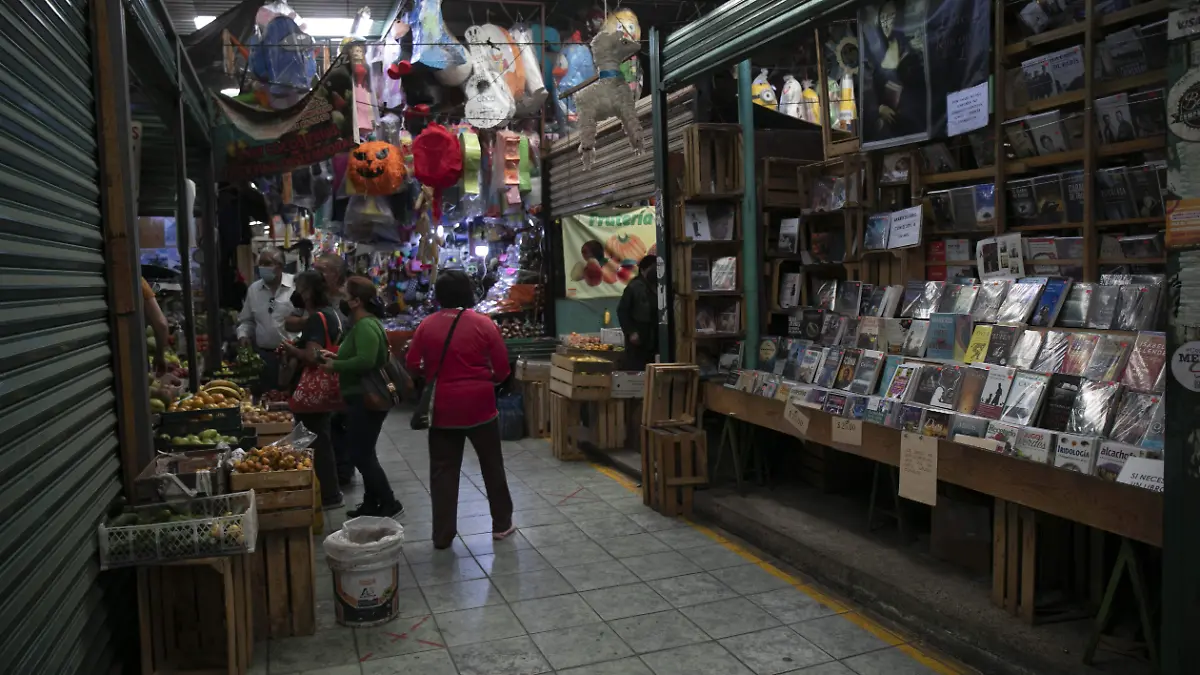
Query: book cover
(1076,452)
(1141,246)
(910,418)
(1149,118)
(1074,126)
(878,410)
(1123,53)
(845,373)
(1003,432)
(1102,307)
(789,235)
(811,322)
(937,423)
(696,216)
(1021,300)
(1066,68)
(1093,410)
(1113,122)
(875,237)
(867,372)
(1060,399)
(985,206)
(971,389)
(1073,191)
(829,367)
(1024,398)
(1108,359)
(1000,346)
(1039,249)
(895,334)
(831,330)
(729,320)
(864,305)
(927,384)
(1050,303)
(969,425)
(1143,186)
(962,335)
(1046,132)
(771,354)
(949,387)
(963,201)
(701,281)
(870,333)
(1134,415)
(1025,349)
(724,274)
(1021,201)
(978,348)
(815,398)
(706,320)
(1079,352)
(1154,437)
(875,303)
(941,209)
(721,221)
(949,298)
(827,246)
(1020,140)
(1053,352)
(1137,306)
(965,303)
(1115,201)
(940,340)
(991,297)
(849,297)
(913,290)
(1039,83)
(903,382)
(849,331)
(810,361)
(1146,362)
(826,294)
(1035,445)
(1074,312)
(890,364)
(995,392)
(915,339)
(1112,457)
(796,349)
(926,303)
(937,159)
(891,301)
(856,406)
(835,404)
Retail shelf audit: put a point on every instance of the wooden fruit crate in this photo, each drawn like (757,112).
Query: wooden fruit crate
(592,365)
(671,394)
(285,499)
(536,397)
(674,462)
(283,583)
(712,160)
(580,386)
(609,426)
(194,616)
(532,371)
(565,428)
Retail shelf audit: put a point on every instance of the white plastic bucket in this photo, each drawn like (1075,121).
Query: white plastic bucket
(364,557)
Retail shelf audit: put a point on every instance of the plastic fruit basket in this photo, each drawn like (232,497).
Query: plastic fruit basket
(198,528)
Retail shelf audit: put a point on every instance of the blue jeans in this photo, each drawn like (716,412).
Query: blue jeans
(362,433)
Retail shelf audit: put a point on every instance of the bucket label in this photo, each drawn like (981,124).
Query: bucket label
(365,597)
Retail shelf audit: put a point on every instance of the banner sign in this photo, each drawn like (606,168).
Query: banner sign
(252,142)
(601,250)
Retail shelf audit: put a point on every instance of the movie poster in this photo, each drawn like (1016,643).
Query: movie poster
(899,40)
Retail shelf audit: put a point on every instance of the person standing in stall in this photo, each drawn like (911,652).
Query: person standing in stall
(638,314)
(268,304)
(463,350)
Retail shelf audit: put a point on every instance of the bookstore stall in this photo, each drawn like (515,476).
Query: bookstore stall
(968,288)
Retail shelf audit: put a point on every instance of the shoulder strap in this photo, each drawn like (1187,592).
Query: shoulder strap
(325,322)
(446,346)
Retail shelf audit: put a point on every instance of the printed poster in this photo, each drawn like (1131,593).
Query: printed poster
(601,250)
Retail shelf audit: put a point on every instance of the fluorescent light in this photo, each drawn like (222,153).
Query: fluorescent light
(202,21)
(328,27)
(441,232)
(481,250)
(232,91)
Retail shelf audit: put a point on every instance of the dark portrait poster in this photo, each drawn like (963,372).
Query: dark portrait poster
(900,43)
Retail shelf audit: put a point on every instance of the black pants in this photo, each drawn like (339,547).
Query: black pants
(362,430)
(269,378)
(323,461)
(341,448)
(445,464)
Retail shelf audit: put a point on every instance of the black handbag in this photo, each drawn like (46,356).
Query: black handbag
(422,416)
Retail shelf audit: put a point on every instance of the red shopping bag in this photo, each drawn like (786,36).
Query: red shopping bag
(318,391)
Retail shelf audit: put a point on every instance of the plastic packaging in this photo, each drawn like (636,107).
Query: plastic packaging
(1091,412)
(436,48)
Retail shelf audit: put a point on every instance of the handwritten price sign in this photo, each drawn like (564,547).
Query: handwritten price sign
(918,468)
(796,417)
(847,431)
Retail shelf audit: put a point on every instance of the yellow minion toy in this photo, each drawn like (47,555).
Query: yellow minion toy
(761,91)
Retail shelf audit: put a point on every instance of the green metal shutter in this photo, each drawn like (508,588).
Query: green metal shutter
(58,446)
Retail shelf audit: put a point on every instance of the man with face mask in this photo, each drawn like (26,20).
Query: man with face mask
(333,268)
(268,304)
(638,315)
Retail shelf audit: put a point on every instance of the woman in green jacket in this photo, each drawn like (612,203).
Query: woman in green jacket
(364,349)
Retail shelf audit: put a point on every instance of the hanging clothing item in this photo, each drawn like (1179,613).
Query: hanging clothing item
(437,162)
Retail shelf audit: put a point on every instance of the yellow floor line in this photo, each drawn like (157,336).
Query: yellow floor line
(931,662)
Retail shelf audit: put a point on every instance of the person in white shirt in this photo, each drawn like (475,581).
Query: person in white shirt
(267,306)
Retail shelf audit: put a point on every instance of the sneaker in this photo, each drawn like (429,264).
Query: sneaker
(363,509)
(395,511)
(499,536)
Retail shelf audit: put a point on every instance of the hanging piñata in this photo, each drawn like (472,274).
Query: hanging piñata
(609,96)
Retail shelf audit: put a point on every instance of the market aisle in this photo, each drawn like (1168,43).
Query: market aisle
(594,583)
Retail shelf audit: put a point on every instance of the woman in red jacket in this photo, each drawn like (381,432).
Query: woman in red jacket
(464,403)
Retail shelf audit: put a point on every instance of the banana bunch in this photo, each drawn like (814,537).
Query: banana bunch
(229,390)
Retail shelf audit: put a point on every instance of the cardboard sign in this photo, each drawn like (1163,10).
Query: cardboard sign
(1142,472)
(847,431)
(796,417)
(918,468)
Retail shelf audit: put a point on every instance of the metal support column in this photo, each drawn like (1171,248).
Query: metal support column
(750,260)
(212,266)
(658,109)
(183,219)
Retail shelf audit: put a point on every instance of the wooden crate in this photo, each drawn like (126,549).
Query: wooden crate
(194,616)
(532,371)
(564,428)
(283,583)
(592,364)
(671,394)
(608,425)
(674,462)
(581,385)
(536,397)
(712,160)
(285,499)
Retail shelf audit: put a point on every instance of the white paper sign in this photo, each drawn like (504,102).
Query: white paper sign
(1185,365)
(918,468)
(796,417)
(906,228)
(847,431)
(1143,472)
(967,109)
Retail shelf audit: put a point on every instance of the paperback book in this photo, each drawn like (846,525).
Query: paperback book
(835,404)
(1005,433)
(962,335)
(878,411)
(1035,445)
(875,238)
(724,274)
(991,297)
(831,331)
(789,290)
(924,304)
(1115,201)
(1025,349)
(870,333)
(903,382)
(826,294)
(789,235)
(1060,400)
(1025,398)
(1048,193)
(895,334)
(1053,352)
(1000,346)
(845,374)
(910,418)
(1050,302)
(995,392)
(1074,313)
(1108,358)
(971,389)
(771,354)
(811,321)
(978,347)
(1112,458)
(1079,352)
(1102,310)
(806,371)
(849,298)
(1076,452)
(927,385)
(936,423)
(815,398)
(1134,416)
(700,274)
(829,367)
(915,339)
(849,331)
(1146,361)
(890,364)
(1021,300)
(1020,195)
(949,387)
(1136,307)
(867,372)
(1092,413)
(969,425)
(940,341)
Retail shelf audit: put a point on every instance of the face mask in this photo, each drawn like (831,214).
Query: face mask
(267,274)
(297,300)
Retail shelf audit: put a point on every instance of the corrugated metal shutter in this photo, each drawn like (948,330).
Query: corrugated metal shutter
(58,447)
(617,176)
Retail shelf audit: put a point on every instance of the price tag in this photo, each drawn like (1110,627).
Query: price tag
(847,431)
(796,417)
(918,467)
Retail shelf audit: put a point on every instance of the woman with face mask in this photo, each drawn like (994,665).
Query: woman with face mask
(364,349)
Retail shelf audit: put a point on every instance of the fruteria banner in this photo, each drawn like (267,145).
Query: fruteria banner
(252,141)
(601,250)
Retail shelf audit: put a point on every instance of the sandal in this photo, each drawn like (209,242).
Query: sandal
(500,536)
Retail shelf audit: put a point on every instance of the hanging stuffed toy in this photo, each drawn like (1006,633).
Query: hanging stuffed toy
(624,21)
(437,162)
(761,91)
(376,168)
(571,69)
(609,96)
(791,97)
(531,98)
(810,109)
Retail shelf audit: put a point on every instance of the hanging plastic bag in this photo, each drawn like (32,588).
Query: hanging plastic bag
(791,97)
(435,47)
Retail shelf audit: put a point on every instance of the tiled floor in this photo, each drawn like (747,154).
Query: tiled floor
(594,583)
